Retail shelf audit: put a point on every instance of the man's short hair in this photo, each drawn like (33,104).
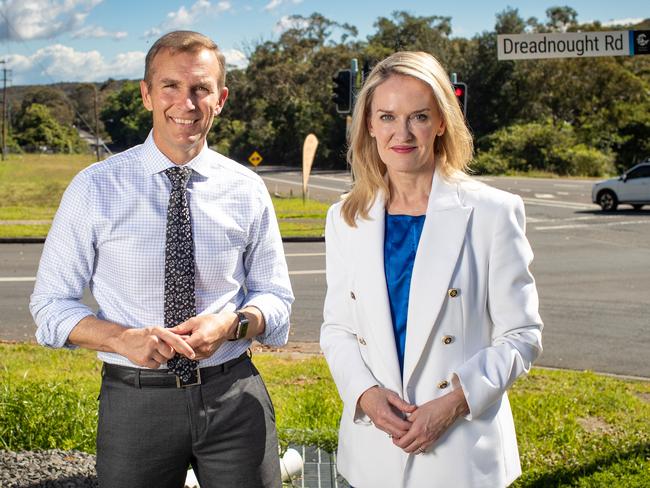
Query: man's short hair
(183,42)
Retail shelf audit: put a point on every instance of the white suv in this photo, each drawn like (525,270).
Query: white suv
(632,187)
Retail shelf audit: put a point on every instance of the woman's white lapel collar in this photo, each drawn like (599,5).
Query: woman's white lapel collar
(440,245)
(372,293)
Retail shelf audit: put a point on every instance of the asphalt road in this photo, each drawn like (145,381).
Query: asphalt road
(592,270)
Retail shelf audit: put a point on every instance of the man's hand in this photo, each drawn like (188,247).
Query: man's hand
(386,409)
(152,346)
(430,421)
(205,333)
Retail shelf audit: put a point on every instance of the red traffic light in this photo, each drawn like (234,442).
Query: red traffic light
(460,90)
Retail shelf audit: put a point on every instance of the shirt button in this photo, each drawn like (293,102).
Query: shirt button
(352,295)
(446,340)
(453,292)
(362,341)
(443,384)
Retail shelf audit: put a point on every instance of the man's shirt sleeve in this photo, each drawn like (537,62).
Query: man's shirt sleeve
(267,277)
(65,268)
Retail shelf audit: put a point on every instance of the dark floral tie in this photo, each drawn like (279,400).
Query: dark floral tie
(180,302)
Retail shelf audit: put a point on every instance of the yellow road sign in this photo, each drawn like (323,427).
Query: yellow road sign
(255,158)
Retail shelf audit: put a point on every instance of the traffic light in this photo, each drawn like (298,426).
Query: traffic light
(460,90)
(343,91)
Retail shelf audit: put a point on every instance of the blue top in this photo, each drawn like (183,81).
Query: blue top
(401,238)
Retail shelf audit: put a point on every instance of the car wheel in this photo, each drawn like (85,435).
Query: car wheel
(637,206)
(607,200)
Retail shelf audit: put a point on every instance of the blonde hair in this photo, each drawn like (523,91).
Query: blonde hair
(184,41)
(453,149)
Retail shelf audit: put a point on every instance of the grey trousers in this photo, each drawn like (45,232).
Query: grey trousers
(224,428)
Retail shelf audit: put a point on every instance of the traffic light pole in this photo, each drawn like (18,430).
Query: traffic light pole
(356,81)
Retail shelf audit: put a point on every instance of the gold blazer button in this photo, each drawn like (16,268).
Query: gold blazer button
(446,340)
(453,292)
(443,384)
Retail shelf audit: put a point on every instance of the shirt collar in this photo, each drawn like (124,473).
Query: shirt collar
(154,161)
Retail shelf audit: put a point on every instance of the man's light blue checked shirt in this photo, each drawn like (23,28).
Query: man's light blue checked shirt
(109,234)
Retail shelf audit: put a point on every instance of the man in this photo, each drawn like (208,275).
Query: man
(171,233)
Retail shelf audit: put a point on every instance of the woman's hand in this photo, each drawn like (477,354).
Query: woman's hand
(430,421)
(386,410)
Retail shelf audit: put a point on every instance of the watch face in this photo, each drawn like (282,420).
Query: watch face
(242,326)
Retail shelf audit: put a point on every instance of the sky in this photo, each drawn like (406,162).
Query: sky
(48,41)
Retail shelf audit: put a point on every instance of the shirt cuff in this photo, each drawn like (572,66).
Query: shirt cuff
(57,336)
(276,320)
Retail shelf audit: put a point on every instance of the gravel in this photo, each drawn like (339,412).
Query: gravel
(47,469)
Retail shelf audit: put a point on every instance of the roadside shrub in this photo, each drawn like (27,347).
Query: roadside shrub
(587,161)
(489,163)
(541,146)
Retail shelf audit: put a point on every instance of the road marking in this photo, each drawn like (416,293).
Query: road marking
(579,226)
(343,179)
(566,185)
(297,183)
(558,204)
(308,272)
(544,195)
(304,254)
(563,193)
(534,220)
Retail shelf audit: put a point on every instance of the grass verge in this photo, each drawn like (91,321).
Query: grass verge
(574,429)
(31,187)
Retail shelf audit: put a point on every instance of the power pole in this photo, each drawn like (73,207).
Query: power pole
(5,71)
(96,122)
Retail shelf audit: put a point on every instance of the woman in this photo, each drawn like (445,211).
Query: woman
(431,312)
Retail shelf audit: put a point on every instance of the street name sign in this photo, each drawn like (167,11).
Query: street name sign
(571,44)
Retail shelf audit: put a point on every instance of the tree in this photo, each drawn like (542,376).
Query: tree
(83,96)
(406,32)
(561,18)
(54,99)
(125,118)
(285,93)
(39,131)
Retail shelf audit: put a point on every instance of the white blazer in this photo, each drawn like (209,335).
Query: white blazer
(473,312)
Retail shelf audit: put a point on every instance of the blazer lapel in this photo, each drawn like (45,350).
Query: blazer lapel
(440,245)
(372,293)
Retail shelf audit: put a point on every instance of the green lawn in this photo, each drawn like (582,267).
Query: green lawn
(574,428)
(31,187)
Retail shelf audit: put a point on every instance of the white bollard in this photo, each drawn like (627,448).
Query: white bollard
(290,464)
(190,480)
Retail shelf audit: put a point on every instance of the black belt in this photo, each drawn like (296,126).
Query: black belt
(155,378)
